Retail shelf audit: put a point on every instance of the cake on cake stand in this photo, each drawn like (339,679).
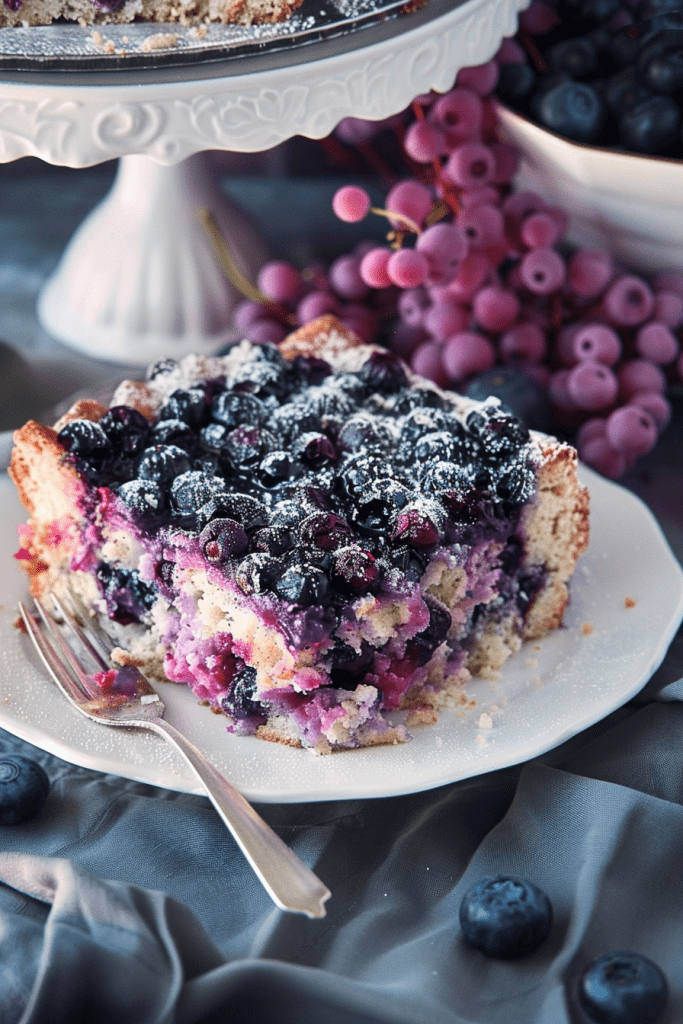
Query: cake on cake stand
(139,279)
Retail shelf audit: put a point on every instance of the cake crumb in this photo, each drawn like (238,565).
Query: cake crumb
(159,41)
(587,628)
(629,602)
(481,740)
(198,32)
(484,721)
(425,715)
(531,662)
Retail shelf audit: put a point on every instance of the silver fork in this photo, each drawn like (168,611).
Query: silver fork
(127,699)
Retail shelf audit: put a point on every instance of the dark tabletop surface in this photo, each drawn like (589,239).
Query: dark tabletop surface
(124,902)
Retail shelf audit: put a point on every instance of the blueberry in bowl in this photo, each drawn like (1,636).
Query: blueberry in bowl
(422,534)
(595,107)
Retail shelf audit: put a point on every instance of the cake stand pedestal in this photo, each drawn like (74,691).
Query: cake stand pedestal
(140,278)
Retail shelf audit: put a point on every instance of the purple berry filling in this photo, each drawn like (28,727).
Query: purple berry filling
(318,500)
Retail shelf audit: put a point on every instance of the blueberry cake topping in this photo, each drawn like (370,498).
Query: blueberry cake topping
(314,541)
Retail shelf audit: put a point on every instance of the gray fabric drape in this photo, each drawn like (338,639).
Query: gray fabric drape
(124,903)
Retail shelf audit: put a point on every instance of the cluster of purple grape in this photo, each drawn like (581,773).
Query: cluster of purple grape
(476,275)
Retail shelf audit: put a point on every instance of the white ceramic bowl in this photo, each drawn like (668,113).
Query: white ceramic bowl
(631,205)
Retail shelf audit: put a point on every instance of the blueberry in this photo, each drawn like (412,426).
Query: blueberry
(126,428)
(145,497)
(24,786)
(327,402)
(384,373)
(419,525)
(435,447)
(174,432)
(622,90)
(660,62)
(240,702)
(243,508)
(514,482)
(128,597)
(519,395)
(163,463)
(576,57)
(505,917)
(407,399)
(273,540)
(515,83)
(573,109)
(310,369)
(261,379)
(314,496)
(234,409)
(651,126)
(325,530)
(267,352)
(315,450)
(213,436)
(246,446)
(189,406)
(221,539)
(499,433)
(376,506)
(192,490)
(623,988)
(256,573)
(348,667)
(624,45)
(354,570)
(450,477)
(84,437)
(287,513)
(302,584)
(361,432)
(161,368)
(360,471)
(277,467)
(292,419)
(432,636)
(411,562)
(420,421)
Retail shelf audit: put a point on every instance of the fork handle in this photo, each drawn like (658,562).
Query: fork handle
(289,882)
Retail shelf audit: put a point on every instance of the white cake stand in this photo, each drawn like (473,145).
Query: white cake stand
(139,279)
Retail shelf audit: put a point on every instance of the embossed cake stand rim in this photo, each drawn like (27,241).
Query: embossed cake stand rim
(78,120)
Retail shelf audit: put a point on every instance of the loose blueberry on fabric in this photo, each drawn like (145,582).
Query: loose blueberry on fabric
(623,988)
(505,917)
(24,786)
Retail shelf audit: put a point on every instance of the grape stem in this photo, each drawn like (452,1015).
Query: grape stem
(392,215)
(233,272)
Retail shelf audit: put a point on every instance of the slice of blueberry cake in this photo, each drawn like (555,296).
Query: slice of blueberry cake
(308,536)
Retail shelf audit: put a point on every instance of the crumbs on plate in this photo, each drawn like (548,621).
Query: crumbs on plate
(629,602)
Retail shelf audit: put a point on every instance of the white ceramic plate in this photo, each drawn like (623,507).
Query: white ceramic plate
(627,602)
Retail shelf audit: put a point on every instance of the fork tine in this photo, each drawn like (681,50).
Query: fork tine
(79,632)
(65,651)
(50,659)
(91,626)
